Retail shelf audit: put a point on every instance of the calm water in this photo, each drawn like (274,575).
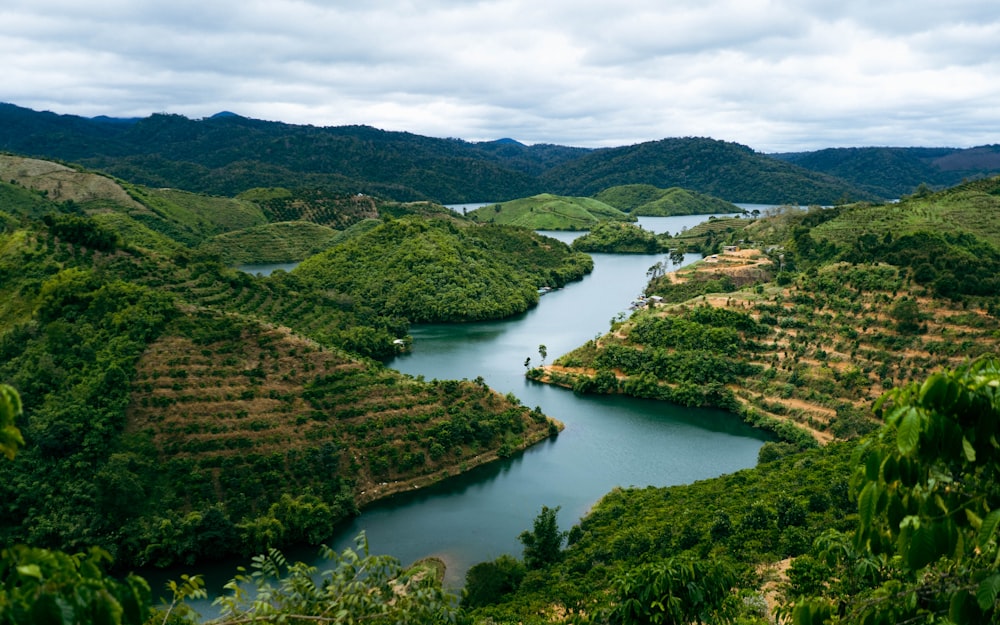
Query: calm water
(608,441)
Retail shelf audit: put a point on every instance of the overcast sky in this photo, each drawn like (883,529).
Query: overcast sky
(779,75)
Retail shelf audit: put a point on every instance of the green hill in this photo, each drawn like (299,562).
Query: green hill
(972,207)
(643,200)
(614,237)
(443,270)
(725,170)
(549,212)
(895,172)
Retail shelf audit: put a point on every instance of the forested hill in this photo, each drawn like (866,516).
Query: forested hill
(894,172)
(227,154)
(726,170)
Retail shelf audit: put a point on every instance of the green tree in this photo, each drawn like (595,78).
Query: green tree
(355,588)
(907,316)
(486,583)
(543,352)
(928,506)
(10,409)
(543,543)
(675,591)
(45,586)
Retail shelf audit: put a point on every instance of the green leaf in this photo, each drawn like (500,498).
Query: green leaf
(975,521)
(868,503)
(934,389)
(51,610)
(959,610)
(922,548)
(908,435)
(970,451)
(986,594)
(30,570)
(989,527)
(873,464)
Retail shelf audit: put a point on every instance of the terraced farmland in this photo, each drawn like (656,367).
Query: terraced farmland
(247,406)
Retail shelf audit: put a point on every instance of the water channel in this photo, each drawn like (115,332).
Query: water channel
(608,441)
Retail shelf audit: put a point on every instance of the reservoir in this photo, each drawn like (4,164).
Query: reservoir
(609,441)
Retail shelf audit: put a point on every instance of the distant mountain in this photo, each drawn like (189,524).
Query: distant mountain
(726,170)
(227,154)
(895,172)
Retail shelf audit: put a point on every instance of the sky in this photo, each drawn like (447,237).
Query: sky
(775,75)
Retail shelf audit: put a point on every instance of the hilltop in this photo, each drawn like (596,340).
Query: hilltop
(550,212)
(644,200)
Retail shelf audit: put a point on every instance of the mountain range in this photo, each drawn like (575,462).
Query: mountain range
(226,154)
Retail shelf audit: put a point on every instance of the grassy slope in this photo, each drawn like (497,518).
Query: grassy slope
(650,201)
(971,207)
(548,212)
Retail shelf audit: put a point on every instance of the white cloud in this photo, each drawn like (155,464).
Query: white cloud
(773,74)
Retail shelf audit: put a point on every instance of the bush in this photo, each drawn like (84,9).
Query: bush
(487,583)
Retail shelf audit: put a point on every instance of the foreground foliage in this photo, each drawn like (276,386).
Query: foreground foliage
(356,588)
(929,509)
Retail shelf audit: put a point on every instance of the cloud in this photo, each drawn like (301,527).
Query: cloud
(774,74)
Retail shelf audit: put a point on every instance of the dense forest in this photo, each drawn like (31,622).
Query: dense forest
(159,407)
(227,154)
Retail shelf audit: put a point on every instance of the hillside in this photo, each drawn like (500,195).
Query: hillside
(226,155)
(725,170)
(442,270)
(894,172)
(837,332)
(549,212)
(280,242)
(642,200)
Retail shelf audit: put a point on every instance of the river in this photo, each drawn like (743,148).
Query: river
(608,441)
